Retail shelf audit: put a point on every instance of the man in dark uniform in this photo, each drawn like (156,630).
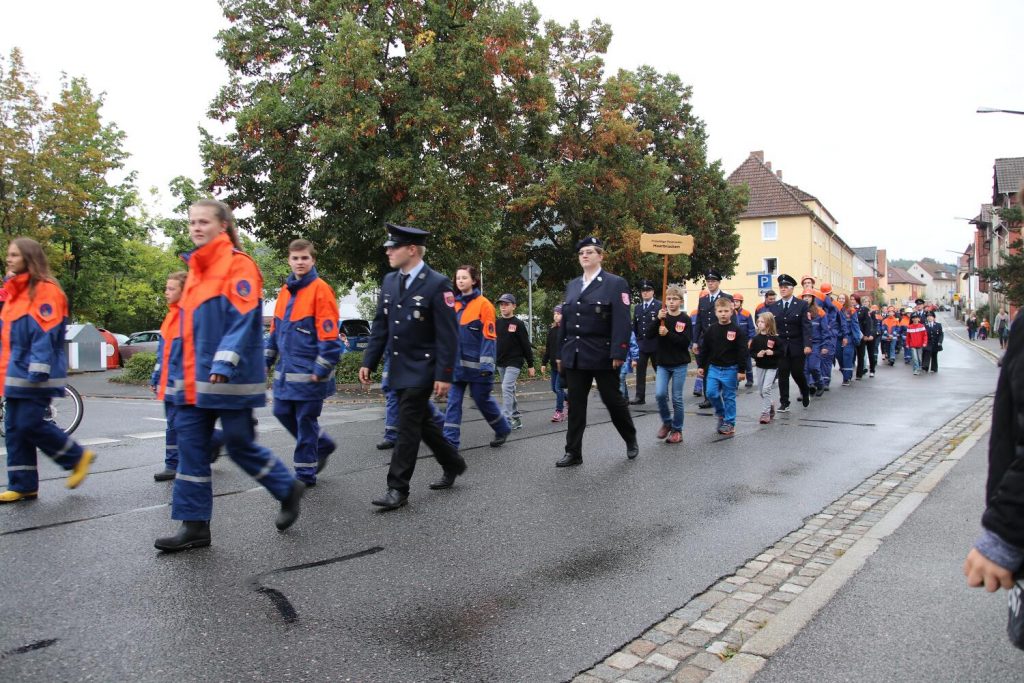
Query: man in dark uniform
(705,319)
(416,324)
(793,321)
(644,316)
(595,333)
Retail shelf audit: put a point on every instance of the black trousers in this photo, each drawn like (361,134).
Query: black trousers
(929,360)
(867,356)
(415,423)
(641,373)
(791,365)
(618,407)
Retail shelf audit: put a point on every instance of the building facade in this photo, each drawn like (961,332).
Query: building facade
(785,230)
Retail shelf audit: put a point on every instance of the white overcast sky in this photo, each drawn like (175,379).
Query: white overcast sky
(869,106)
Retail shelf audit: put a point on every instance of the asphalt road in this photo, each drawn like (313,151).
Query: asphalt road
(521,572)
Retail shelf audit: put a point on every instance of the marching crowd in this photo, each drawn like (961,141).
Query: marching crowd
(436,340)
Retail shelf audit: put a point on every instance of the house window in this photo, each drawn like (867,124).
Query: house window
(860,285)
(769,230)
(771,266)
(892,288)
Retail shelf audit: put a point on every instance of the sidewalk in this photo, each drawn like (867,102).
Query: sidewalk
(908,614)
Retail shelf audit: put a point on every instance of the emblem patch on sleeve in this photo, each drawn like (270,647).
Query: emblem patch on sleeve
(328,325)
(449,300)
(243,288)
(46,311)
(625,298)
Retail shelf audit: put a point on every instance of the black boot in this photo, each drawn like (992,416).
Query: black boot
(290,507)
(190,535)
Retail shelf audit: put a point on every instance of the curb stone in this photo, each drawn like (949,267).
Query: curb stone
(728,632)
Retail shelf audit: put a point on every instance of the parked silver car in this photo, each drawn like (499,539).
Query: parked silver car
(140,341)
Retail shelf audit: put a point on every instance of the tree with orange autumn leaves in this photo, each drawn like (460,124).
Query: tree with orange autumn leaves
(463,118)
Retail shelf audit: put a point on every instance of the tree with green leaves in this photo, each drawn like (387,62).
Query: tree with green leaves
(348,114)
(21,129)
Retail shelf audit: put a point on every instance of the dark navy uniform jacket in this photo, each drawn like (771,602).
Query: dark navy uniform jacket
(642,322)
(595,323)
(705,317)
(418,329)
(794,327)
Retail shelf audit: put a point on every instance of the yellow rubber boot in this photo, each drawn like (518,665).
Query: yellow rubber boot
(81,470)
(15,496)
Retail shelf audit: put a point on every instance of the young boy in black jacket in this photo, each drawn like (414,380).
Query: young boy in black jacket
(673,331)
(725,347)
(551,356)
(513,348)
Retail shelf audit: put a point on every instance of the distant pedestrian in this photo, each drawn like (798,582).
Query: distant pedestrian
(550,360)
(983,329)
(703,320)
(917,339)
(671,331)
(513,350)
(628,366)
(745,320)
(794,339)
(972,326)
(763,348)
(1002,326)
(930,355)
(644,314)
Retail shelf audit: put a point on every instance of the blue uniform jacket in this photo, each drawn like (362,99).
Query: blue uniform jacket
(304,339)
(222,329)
(418,328)
(32,359)
(642,321)
(595,323)
(477,338)
(794,327)
(705,316)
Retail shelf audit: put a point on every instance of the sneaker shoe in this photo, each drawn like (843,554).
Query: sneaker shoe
(675,437)
(765,418)
(81,469)
(917,372)
(727,429)
(516,422)
(847,383)
(784,408)
(663,431)
(750,384)
(704,405)
(871,374)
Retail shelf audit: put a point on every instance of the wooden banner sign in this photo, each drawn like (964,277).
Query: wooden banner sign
(666,243)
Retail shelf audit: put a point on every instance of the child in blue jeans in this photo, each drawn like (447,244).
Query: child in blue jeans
(673,332)
(725,346)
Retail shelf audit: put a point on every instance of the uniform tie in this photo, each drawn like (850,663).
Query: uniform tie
(402,277)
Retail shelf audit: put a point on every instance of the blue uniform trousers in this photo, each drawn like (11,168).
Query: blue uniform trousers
(846,360)
(812,366)
(391,415)
(171,439)
(192,499)
(27,430)
(300,418)
(825,363)
(485,403)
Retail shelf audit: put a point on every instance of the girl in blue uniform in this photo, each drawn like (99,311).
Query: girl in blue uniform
(33,370)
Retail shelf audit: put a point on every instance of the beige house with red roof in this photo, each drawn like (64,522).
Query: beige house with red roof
(785,230)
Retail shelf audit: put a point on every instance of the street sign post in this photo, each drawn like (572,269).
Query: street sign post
(530,273)
(764,282)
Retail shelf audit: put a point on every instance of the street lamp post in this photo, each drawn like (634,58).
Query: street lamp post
(994,110)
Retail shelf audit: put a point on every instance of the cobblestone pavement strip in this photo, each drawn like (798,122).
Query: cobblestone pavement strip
(716,634)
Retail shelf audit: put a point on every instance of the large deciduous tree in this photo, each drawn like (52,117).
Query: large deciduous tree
(349,114)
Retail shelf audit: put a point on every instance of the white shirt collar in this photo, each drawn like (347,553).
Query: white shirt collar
(413,273)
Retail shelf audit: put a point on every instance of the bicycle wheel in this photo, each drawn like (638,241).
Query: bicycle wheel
(66,410)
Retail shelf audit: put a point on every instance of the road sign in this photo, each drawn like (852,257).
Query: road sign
(530,272)
(764,281)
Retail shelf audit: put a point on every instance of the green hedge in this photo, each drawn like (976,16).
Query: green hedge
(348,369)
(137,370)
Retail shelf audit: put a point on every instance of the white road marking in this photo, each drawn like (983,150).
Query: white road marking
(147,435)
(98,441)
(156,419)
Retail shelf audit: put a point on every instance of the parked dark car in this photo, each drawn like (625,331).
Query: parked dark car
(140,341)
(357,334)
